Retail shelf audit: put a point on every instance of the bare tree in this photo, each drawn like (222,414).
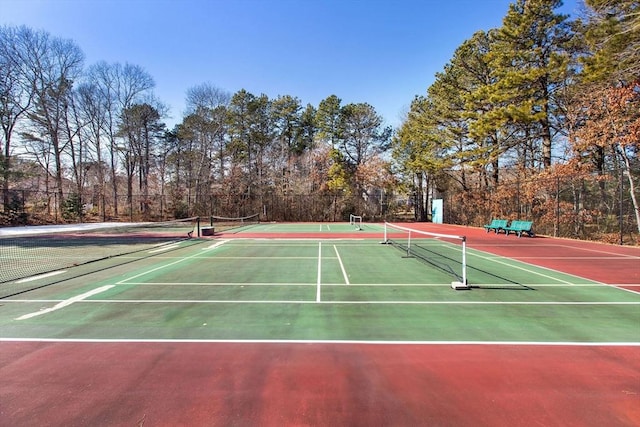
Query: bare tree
(142,130)
(50,65)
(16,96)
(206,96)
(207,122)
(94,112)
(118,87)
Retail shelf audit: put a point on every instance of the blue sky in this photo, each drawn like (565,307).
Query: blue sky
(380,52)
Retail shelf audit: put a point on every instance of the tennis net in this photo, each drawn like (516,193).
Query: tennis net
(220,223)
(42,251)
(443,251)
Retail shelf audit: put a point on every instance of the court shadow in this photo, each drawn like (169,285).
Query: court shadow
(509,285)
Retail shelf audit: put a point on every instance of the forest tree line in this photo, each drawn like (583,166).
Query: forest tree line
(537,119)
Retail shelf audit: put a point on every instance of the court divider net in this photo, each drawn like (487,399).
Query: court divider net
(444,251)
(221,223)
(26,259)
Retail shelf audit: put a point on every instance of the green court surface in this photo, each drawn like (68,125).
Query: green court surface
(318,289)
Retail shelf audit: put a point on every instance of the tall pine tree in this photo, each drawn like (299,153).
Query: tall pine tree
(531,58)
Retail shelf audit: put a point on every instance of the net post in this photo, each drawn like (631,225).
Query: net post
(462,285)
(464,260)
(384,239)
(198,225)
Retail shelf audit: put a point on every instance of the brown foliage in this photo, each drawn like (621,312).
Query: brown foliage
(611,118)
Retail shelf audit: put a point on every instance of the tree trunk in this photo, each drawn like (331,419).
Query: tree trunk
(632,188)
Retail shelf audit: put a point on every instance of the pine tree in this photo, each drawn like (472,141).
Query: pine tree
(613,34)
(531,58)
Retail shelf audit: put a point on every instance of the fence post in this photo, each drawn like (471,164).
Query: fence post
(620,219)
(556,228)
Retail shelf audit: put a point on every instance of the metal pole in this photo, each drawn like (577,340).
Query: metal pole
(557,224)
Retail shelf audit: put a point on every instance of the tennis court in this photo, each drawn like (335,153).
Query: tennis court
(323,324)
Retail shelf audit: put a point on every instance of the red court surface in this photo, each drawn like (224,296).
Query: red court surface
(213,384)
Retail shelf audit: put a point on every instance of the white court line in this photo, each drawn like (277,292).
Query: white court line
(496,258)
(342,302)
(179,260)
(319,272)
(268,227)
(341,342)
(264,257)
(566,257)
(164,248)
(215,245)
(266,241)
(614,255)
(41,276)
(529,270)
(344,272)
(537,285)
(66,302)
(622,288)
(302,240)
(239,284)
(600,252)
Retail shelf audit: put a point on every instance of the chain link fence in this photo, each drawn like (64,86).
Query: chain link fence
(582,207)
(38,207)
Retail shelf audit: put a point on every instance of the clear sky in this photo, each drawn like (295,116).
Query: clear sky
(383,52)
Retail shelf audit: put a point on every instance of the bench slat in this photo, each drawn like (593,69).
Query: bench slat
(496,225)
(519,227)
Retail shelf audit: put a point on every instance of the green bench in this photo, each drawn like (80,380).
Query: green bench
(520,227)
(496,225)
